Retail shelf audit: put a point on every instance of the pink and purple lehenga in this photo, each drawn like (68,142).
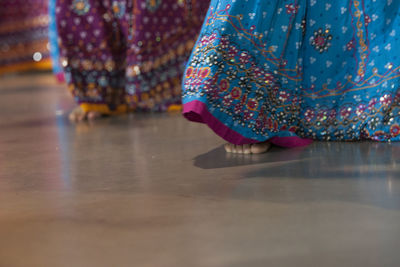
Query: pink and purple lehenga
(121,55)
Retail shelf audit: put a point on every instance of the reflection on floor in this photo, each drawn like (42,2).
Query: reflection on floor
(153,190)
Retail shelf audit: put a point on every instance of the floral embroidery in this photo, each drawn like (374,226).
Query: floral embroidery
(303,76)
(81,7)
(153,5)
(321,40)
(118,9)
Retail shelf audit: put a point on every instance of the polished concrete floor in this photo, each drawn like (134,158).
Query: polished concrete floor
(153,190)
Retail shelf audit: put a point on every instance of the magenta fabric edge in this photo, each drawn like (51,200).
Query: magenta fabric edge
(60,77)
(197,111)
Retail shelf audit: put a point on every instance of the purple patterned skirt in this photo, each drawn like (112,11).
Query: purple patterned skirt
(121,55)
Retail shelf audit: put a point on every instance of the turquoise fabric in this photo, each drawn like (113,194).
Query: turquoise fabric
(326,70)
(53,36)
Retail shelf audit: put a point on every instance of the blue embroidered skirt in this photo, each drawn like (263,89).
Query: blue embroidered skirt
(290,71)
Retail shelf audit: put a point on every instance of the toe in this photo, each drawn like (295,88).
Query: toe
(228,148)
(81,117)
(72,117)
(260,148)
(234,149)
(92,115)
(239,149)
(76,115)
(246,149)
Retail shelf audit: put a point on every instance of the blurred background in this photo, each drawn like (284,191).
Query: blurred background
(28,37)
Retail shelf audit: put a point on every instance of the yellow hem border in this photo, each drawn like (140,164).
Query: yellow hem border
(42,65)
(175,108)
(103,109)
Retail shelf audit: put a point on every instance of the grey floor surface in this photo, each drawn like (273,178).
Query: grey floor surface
(153,190)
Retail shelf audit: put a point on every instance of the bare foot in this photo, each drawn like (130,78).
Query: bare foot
(248,149)
(93,115)
(78,115)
